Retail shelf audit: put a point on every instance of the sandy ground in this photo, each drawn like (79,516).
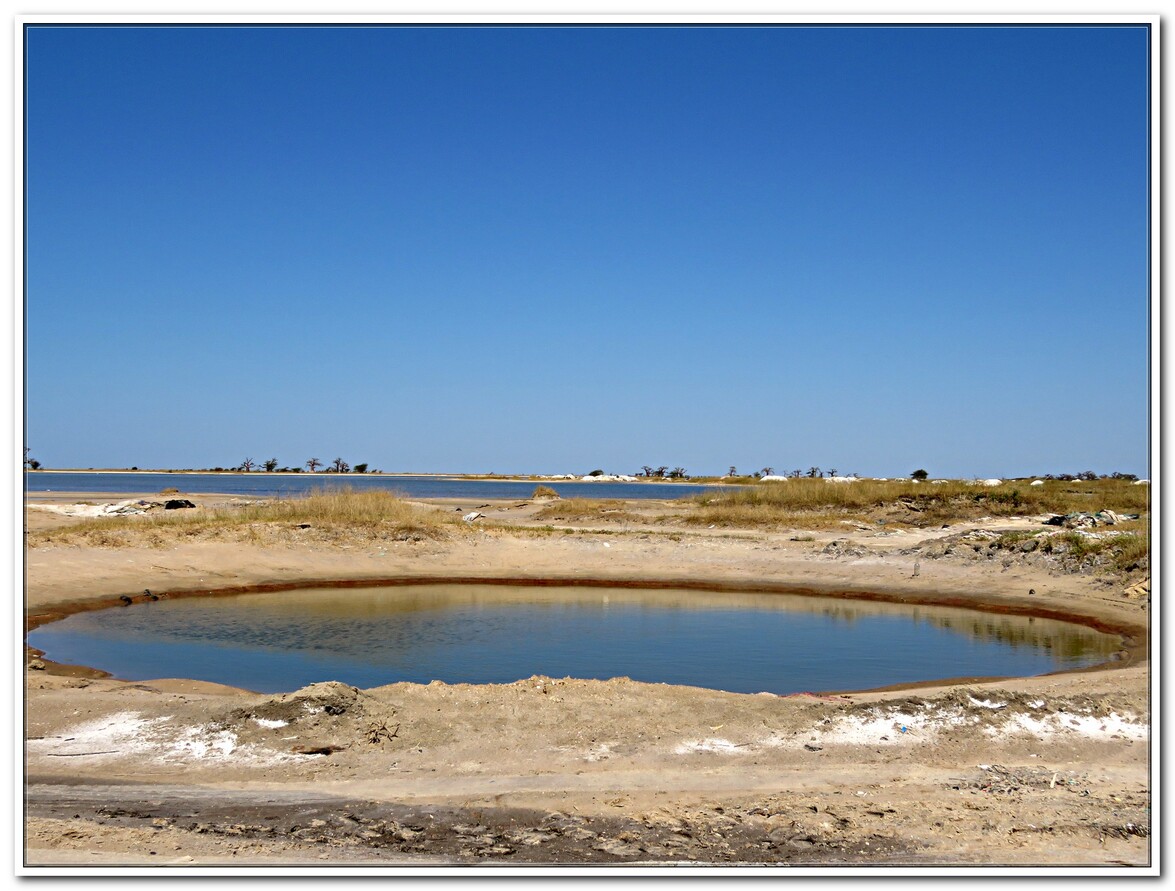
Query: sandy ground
(1049,771)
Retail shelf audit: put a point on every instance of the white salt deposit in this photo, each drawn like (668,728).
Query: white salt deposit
(599,752)
(718,746)
(880,728)
(129,734)
(270,724)
(200,743)
(895,727)
(987,703)
(1127,727)
(112,736)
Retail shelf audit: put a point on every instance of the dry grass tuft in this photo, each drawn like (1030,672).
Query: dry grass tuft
(581,510)
(1131,552)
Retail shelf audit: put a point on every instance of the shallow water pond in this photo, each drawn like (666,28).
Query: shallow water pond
(481,634)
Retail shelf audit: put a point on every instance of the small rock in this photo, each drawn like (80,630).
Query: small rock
(1139,590)
(617,848)
(529,837)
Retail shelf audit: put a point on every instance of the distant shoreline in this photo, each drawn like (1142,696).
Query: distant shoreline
(473,477)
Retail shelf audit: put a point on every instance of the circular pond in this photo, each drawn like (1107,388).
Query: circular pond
(480,634)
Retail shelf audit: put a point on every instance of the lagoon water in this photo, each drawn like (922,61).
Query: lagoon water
(285,484)
(278,642)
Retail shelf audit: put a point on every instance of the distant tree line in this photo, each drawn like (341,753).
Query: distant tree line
(813,472)
(662,472)
(1088,475)
(338,465)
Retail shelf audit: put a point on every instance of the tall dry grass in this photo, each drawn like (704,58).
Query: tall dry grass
(329,513)
(816,502)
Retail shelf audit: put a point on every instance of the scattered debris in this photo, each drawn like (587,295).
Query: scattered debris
(378,730)
(999,780)
(1083,520)
(844,548)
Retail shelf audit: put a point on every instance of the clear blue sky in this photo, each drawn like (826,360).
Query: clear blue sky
(559,249)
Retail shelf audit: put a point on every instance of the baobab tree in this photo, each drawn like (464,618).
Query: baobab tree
(340,466)
(832,471)
(313,464)
(247,465)
(768,471)
(814,472)
(271,465)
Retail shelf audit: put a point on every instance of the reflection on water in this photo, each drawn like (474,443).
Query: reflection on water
(494,634)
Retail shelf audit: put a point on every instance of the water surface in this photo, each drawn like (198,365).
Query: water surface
(283,484)
(744,643)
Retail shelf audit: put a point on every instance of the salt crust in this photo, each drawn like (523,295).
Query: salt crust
(130,734)
(893,727)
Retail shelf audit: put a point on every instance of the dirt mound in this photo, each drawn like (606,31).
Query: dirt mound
(329,697)
(315,720)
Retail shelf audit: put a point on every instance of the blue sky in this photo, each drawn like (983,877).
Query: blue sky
(554,249)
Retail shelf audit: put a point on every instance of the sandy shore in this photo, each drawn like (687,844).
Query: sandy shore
(1043,771)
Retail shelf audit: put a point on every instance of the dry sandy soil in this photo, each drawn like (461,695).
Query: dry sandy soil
(1047,771)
